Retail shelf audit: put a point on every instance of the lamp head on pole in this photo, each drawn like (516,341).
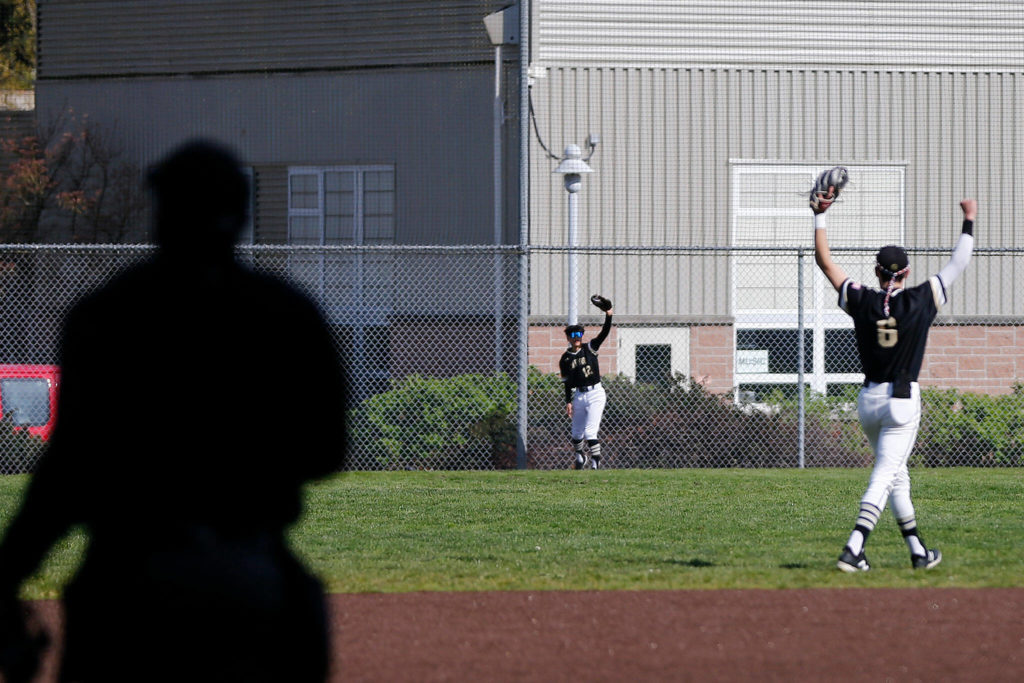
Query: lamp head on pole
(571,166)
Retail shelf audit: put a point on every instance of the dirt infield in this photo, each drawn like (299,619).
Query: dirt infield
(734,635)
(851,634)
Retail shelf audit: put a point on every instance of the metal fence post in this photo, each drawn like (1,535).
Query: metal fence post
(524,232)
(801,408)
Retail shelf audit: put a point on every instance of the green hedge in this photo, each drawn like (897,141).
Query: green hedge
(974,430)
(468,422)
(681,424)
(437,423)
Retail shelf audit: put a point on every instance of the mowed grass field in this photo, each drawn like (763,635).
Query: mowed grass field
(628,529)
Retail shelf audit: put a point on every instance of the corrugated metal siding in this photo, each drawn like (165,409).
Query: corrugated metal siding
(910,34)
(668,135)
(100,38)
(434,126)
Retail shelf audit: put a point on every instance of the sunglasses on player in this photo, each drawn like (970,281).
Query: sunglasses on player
(575,335)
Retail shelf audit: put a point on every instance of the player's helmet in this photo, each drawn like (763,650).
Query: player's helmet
(570,329)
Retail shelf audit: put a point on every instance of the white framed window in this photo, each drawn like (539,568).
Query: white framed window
(771,211)
(348,206)
(335,205)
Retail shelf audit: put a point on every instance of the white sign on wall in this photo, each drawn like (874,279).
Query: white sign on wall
(750,362)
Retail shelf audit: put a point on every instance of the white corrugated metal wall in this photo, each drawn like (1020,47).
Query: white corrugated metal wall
(670,122)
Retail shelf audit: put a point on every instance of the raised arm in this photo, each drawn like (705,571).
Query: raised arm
(822,254)
(964,245)
(596,342)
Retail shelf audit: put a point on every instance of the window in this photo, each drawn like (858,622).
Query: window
(340,206)
(26,400)
(771,211)
(654,364)
(781,346)
(653,354)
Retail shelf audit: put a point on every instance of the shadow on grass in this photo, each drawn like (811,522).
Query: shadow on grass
(696,562)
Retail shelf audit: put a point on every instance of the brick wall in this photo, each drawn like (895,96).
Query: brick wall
(711,352)
(975,358)
(710,347)
(547,343)
(711,357)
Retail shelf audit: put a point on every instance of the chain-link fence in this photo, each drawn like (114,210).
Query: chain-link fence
(718,357)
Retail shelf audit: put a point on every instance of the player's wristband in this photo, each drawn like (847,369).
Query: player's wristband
(820,222)
(968,227)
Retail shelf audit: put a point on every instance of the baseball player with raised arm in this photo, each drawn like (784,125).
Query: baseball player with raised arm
(891,326)
(584,396)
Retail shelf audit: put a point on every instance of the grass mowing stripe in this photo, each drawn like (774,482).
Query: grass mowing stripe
(628,529)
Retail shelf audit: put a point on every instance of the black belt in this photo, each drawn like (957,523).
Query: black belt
(589,387)
(900,389)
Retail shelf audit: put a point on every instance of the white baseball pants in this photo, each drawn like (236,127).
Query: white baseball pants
(587,410)
(890,425)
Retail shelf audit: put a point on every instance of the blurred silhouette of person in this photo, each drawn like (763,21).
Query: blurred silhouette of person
(198,397)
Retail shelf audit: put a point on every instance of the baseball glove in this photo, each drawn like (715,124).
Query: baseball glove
(601,302)
(836,178)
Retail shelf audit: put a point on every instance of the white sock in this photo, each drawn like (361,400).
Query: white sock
(856,542)
(915,545)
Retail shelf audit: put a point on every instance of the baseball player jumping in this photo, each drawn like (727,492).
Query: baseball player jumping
(584,396)
(891,326)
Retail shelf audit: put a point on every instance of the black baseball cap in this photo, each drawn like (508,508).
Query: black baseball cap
(892,259)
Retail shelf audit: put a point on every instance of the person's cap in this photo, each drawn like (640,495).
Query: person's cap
(892,258)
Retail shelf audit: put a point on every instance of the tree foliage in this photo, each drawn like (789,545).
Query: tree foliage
(17,44)
(70,181)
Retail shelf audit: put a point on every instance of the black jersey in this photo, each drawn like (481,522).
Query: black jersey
(581,368)
(891,347)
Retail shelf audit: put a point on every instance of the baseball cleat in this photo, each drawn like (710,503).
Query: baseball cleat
(581,461)
(850,563)
(930,559)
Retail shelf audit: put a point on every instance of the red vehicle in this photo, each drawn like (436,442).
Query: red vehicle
(28,397)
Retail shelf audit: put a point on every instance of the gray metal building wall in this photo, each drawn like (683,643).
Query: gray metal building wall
(105,38)
(301,83)
(676,91)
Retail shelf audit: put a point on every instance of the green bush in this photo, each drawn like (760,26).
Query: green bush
(437,423)
(679,424)
(967,429)
(957,428)
(832,432)
(469,422)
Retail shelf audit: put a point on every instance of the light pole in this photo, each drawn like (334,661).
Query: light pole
(572,167)
(502,29)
